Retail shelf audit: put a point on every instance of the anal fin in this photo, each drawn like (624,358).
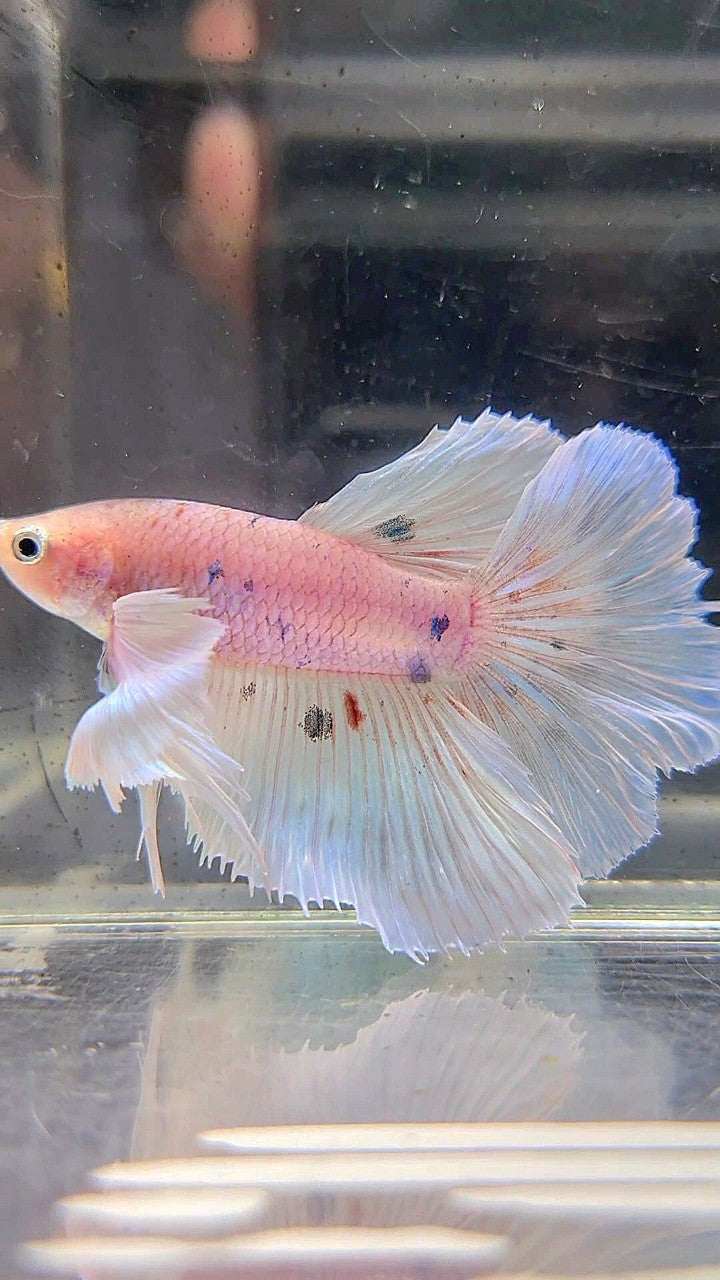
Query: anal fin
(390,797)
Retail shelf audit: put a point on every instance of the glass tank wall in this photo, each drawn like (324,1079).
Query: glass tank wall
(249,252)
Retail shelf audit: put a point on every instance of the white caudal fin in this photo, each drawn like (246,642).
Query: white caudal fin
(595,662)
(390,797)
(152,729)
(440,507)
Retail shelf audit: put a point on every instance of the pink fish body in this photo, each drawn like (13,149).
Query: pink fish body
(286,593)
(442,696)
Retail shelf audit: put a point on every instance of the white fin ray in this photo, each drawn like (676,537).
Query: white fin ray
(153,727)
(594,659)
(371,792)
(440,507)
(149,799)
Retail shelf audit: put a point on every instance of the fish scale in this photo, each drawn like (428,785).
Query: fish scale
(317,602)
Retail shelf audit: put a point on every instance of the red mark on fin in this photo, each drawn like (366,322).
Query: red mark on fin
(353,713)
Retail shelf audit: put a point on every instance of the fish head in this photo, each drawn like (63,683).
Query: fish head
(65,561)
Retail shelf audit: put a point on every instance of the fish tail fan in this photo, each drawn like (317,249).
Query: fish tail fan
(594,658)
(391,797)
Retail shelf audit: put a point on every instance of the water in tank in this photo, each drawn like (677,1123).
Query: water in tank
(250,252)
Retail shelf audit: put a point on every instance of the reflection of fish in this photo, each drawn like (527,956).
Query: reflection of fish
(446,1055)
(470,1057)
(448,686)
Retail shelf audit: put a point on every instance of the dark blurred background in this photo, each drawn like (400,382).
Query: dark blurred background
(505,203)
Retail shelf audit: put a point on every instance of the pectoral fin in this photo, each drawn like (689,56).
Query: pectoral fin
(153,729)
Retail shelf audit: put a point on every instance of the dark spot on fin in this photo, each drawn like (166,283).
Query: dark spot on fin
(317,724)
(439,626)
(215,571)
(353,713)
(557,643)
(248,584)
(419,669)
(397,529)
(248,690)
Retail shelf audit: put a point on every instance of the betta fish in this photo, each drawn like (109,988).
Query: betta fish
(442,697)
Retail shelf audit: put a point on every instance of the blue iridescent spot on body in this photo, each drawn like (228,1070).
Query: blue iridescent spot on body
(439,626)
(215,571)
(419,669)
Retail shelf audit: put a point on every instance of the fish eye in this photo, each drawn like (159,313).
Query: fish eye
(29,545)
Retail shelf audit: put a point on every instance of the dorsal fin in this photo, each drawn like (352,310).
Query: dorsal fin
(440,507)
